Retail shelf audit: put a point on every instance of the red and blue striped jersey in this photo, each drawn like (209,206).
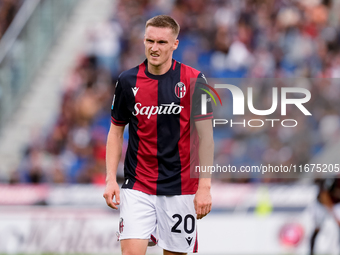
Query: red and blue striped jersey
(160,111)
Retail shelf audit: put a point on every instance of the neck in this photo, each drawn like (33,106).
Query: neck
(161,69)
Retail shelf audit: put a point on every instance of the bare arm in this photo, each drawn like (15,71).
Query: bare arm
(113,155)
(203,199)
(326,200)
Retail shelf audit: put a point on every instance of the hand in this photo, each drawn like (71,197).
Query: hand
(202,202)
(111,191)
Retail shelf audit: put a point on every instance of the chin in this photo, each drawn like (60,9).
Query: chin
(153,62)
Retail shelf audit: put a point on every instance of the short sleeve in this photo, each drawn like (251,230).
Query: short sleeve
(325,184)
(328,184)
(119,110)
(201,100)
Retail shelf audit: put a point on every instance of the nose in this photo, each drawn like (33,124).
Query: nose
(154,47)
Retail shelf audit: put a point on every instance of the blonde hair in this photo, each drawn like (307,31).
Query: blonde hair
(164,21)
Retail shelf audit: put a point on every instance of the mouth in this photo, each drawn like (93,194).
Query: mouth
(154,55)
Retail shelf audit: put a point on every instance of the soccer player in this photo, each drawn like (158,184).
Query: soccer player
(327,201)
(159,99)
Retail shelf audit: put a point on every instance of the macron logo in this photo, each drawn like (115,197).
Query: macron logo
(189,239)
(135,90)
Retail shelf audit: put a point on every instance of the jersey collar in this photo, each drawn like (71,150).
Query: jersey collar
(158,77)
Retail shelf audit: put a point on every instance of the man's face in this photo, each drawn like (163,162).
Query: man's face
(159,44)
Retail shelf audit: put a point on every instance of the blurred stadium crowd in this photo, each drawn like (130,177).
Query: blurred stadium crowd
(236,38)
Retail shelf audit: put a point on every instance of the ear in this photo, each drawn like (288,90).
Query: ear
(175,44)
